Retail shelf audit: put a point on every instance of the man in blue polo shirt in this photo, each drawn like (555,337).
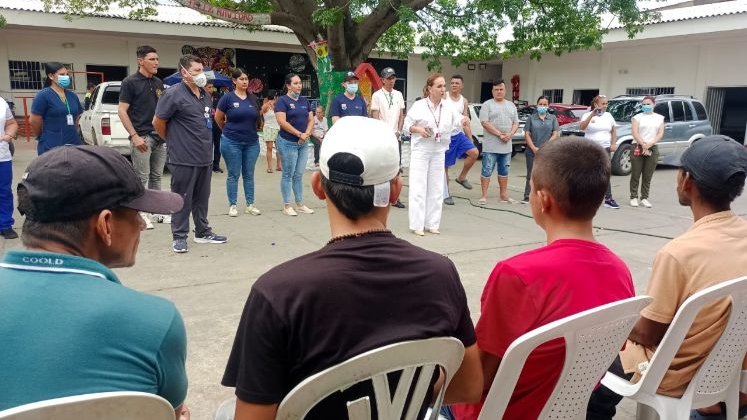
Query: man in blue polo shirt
(348,103)
(68,326)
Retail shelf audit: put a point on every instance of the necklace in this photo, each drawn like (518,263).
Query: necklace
(357,235)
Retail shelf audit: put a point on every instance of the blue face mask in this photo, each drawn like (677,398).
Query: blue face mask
(63,80)
(352,88)
(294,95)
(647,108)
(542,109)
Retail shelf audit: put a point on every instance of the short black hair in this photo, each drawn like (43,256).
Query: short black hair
(351,201)
(724,195)
(576,172)
(289,78)
(498,82)
(186,60)
(458,76)
(51,67)
(543,97)
(237,72)
(144,50)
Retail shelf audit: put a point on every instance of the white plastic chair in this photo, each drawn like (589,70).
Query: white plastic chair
(593,339)
(406,357)
(121,405)
(718,377)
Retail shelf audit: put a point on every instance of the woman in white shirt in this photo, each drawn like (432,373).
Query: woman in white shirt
(600,127)
(648,129)
(430,122)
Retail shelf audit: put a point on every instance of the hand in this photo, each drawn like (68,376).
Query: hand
(182,412)
(613,147)
(534,148)
(6,138)
(303,138)
(139,143)
(505,137)
(465,121)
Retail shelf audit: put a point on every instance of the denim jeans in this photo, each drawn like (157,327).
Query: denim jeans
(6,195)
(149,164)
(491,161)
(293,156)
(240,161)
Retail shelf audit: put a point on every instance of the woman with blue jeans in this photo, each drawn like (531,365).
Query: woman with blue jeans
(296,120)
(237,114)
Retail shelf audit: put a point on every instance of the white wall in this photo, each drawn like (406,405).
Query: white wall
(417,74)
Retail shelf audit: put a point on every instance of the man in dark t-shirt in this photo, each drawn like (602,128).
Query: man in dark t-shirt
(138,97)
(363,290)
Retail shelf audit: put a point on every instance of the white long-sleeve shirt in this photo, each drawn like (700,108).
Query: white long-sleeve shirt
(441,119)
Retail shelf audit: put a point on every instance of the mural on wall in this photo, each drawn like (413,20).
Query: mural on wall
(216,59)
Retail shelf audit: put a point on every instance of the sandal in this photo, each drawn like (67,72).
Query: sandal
(269,170)
(482,201)
(695,415)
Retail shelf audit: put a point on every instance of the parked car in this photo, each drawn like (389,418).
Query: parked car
(685,120)
(517,140)
(100,125)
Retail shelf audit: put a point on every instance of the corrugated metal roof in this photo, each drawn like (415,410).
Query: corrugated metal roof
(702,11)
(168,11)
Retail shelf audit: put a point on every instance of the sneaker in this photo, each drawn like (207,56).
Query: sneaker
(524,200)
(304,209)
(418,232)
(449,201)
(434,231)
(210,238)
(288,211)
(646,203)
(509,200)
(179,245)
(232,211)
(633,202)
(464,183)
(398,205)
(250,209)
(218,170)
(9,233)
(610,203)
(146,219)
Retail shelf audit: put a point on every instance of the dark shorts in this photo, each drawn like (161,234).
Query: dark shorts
(458,146)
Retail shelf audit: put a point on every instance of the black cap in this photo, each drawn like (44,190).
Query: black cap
(712,160)
(350,76)
(74,182)
(387,73)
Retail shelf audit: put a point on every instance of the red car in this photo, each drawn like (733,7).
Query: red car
(563,112)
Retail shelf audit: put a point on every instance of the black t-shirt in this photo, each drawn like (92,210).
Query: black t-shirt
(349,297)
(142,94)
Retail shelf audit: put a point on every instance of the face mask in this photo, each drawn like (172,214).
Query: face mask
(352,88)
(200,80)
(647,108)
(294,95)
(63,80)
(542,109)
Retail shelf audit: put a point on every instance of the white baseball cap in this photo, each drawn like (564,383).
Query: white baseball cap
(371,141)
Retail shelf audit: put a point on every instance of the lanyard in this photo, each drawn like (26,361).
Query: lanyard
(65,102)
(390,99)
(437,121)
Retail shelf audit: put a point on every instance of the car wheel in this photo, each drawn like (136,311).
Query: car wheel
(621,163)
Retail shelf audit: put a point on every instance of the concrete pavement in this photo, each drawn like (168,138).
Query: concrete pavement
(210,283)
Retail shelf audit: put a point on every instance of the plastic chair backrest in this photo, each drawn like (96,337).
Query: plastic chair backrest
(593,339)
(406,357)
(724,361)
(121,405)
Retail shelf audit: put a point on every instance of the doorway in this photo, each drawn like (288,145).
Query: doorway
(111,73)
(584,96)
(727,111)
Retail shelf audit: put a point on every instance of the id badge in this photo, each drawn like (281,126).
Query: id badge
(209,122)
(70,120)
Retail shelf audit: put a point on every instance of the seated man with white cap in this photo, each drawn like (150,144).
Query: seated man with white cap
(363,290)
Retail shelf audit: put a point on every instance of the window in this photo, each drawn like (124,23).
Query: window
(29,75)
(678,111)
(650,91)
(305,85)
(700,111)
(111,95)
(555,95)
(689,116)
(663,109)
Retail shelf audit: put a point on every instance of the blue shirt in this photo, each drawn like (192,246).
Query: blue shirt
(342,106)
(241,117)
(69,327)
(296,113)
(55,129)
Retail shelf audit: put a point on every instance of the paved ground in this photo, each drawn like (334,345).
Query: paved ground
(210,283)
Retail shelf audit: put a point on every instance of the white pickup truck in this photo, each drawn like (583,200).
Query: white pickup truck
(100,125)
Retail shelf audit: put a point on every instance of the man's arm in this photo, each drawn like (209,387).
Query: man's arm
(466,385)
(160,126)
(135,139)
(10,131)
(648,333)
(251,411)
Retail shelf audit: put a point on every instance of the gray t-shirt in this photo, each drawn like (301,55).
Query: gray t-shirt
(541,130)
(502,115)
(189,135)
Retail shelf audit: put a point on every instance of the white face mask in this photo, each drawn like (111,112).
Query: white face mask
(200,80)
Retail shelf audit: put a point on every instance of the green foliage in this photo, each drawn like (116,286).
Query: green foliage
(2,21)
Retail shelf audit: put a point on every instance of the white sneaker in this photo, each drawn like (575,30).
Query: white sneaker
(232,211)
(250,209)
(646,203)
(633,202)
(418,232)
(146,219)
(288,211)
(304,209)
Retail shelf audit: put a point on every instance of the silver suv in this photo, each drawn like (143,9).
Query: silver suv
(685,120)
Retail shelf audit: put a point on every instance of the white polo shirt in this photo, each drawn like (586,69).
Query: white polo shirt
(389,105)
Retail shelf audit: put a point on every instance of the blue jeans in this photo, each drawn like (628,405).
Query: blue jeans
(6,195)
(492,160)
(293,156)
(240,161)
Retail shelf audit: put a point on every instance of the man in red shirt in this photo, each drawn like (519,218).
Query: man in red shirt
(572,273)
